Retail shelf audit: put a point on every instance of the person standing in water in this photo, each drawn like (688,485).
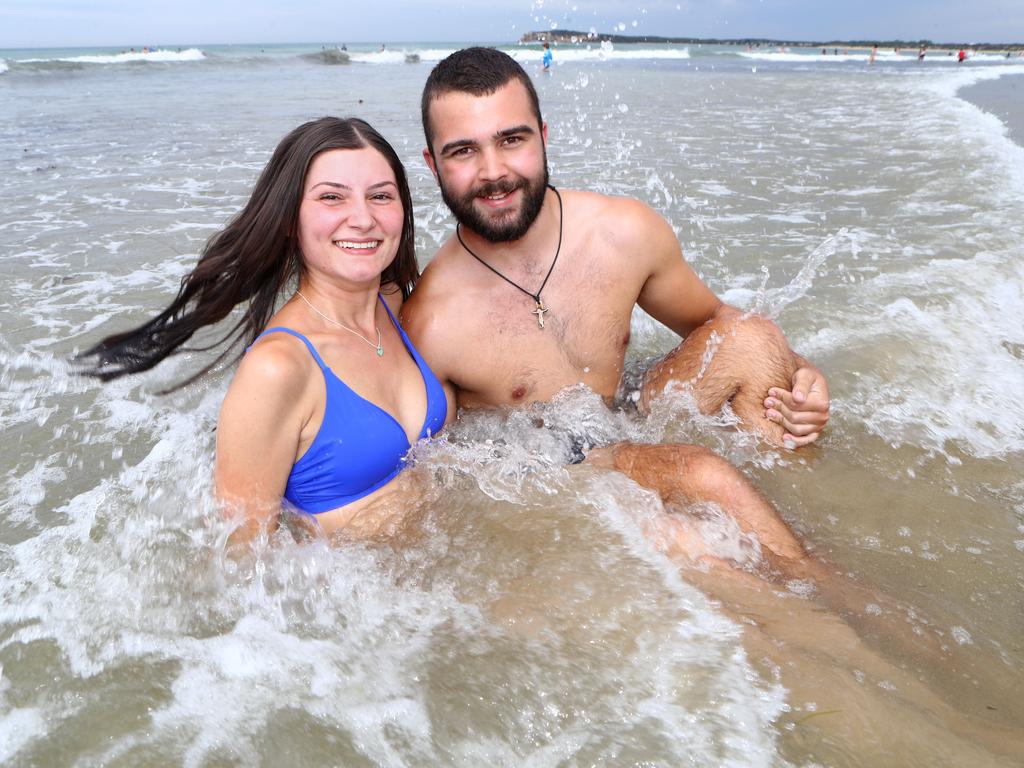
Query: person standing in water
(535,292)
(547,58)
(330,394)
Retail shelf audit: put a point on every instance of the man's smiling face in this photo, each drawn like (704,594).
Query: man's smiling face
(489,158)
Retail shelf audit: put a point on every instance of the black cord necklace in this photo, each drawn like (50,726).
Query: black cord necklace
(541,309)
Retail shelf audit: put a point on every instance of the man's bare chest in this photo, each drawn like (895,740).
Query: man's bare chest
(514,359)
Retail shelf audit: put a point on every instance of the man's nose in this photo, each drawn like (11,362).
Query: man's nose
(492,165)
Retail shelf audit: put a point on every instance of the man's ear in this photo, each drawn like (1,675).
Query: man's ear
(428,157)
(544,134)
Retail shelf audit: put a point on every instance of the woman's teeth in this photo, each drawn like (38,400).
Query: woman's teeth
(358,246)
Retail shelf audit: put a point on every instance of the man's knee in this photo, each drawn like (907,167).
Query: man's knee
(733,359)
(673,469)
(709,476)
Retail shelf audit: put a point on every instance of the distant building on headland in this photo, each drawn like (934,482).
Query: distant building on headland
(575,37)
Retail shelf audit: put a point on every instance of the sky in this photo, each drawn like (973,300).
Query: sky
(64,23)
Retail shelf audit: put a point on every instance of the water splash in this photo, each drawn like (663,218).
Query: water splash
(770,303)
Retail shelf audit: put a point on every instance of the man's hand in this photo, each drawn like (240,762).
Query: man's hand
(803,409)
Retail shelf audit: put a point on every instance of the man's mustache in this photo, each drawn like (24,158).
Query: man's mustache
(498,188)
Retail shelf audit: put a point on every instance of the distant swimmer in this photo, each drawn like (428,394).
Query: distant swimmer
(871,56)
(548,56)
(920,53)
(961,56)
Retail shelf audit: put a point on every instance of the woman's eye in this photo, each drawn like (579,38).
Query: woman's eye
(330,196)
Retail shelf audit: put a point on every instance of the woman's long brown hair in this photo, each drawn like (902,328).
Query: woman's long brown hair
(253,258)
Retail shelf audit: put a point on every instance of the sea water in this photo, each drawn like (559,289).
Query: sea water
(522,618)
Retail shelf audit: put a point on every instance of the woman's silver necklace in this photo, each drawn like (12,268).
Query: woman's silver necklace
(378,346)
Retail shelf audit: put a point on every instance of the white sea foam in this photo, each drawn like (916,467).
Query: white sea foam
(597,52)
(950,357)
(814,56)
(3,66)
(133,576)
(389,56)
(803,58)
(158,55)
(19,726)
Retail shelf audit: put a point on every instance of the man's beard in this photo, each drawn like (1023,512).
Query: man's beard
(503,229)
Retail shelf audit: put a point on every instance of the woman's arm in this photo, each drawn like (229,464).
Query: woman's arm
(258,434)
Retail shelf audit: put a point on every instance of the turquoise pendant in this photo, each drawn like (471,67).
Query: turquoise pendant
(380,351)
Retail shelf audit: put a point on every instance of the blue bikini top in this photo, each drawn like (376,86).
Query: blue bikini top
(359,447)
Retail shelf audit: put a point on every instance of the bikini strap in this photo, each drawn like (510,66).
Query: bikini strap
(394,322)
(300,337)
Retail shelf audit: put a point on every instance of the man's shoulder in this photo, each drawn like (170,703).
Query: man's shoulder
(614,211)
(431,286)
(625,224)
(426,310)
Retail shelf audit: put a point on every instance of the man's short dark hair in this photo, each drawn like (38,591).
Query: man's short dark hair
(478,72)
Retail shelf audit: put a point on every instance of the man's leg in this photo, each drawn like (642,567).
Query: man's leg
(685,474)
(732,360)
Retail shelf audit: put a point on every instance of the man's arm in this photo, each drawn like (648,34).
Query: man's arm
(675,296)
(672,293)
(421,323)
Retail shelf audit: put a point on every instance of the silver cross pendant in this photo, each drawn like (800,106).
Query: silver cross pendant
(539,312)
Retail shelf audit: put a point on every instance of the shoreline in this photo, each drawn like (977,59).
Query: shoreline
(1002,97)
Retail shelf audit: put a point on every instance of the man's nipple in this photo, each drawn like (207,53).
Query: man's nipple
(519,393)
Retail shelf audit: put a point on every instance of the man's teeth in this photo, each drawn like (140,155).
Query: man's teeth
(499,196)
(359,246)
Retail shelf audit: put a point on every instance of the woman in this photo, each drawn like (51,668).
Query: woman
(330,395)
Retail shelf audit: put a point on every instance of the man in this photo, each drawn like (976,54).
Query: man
(536,290)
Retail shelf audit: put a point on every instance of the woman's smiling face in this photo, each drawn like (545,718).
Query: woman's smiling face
(351,216)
